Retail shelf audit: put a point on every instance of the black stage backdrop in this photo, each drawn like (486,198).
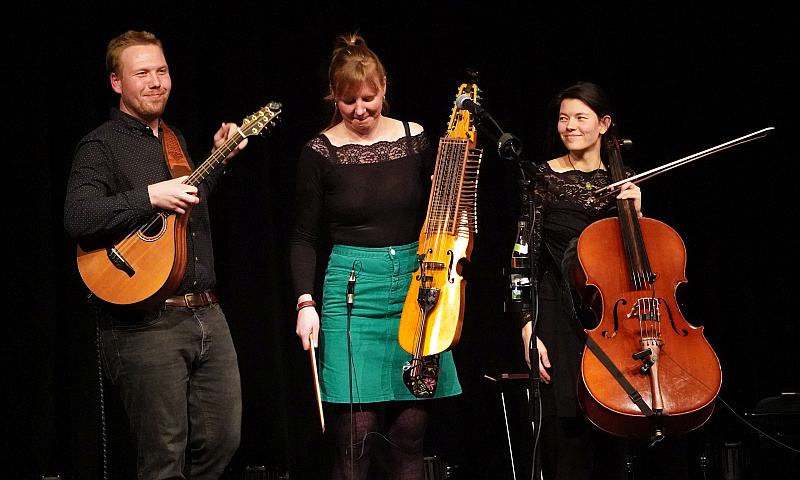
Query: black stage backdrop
(682,79)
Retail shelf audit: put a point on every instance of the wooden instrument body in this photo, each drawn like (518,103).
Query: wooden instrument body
(157,259)
(433,311)
(686,376)
(443,324)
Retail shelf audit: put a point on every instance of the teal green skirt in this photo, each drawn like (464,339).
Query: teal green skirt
(383,276)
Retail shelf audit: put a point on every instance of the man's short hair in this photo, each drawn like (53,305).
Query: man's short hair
(128,39)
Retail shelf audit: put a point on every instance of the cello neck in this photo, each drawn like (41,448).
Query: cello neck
(640,273)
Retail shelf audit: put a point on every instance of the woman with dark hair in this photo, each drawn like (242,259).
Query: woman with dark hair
(366,179)
(569,442)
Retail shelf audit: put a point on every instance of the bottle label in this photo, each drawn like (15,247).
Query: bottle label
(516,291)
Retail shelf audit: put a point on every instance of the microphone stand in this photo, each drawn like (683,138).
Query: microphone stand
(509,147)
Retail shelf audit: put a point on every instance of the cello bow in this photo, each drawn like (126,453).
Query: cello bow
(611,188)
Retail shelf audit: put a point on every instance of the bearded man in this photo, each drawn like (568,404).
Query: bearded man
(174,363)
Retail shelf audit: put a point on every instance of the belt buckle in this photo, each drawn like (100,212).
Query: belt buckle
(187,301)
(194,300)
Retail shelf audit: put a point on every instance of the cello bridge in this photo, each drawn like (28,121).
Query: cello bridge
(646,310)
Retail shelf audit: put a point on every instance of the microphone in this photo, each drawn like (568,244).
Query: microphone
(464,102)
(351,289)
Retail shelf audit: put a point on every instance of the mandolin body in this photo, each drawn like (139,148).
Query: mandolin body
(141,270)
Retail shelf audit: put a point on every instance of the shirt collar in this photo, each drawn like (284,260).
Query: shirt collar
(133,123)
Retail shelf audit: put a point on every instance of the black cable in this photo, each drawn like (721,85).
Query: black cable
(350,296)
(103,434)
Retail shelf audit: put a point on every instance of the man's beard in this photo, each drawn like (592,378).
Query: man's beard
(149,109)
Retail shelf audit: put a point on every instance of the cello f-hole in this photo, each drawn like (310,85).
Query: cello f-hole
(683,332)
(616,319)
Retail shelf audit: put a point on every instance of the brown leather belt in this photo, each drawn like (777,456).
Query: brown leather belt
(192,300)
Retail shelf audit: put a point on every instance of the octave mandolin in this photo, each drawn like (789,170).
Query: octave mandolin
(145,267)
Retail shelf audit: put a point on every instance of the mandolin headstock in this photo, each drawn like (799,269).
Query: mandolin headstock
(258,121)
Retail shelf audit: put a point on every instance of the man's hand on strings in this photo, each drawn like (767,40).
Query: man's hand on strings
(173,195)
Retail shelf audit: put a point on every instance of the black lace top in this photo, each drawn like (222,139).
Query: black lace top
(560,219)
(366,195)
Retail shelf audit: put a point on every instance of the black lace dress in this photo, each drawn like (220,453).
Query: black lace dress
(360,195)
(558,221)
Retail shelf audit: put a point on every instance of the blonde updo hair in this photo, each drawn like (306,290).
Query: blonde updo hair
(353,64)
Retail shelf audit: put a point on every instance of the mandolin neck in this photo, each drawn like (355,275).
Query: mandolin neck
(213,160)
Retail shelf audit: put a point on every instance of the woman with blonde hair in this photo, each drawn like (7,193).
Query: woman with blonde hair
(365,181)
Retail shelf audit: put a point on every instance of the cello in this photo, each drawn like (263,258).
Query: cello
(646,372)
(433,311)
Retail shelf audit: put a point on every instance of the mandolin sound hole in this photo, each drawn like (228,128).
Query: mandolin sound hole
(154,228)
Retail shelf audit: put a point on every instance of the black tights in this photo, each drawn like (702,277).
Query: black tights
(405,430)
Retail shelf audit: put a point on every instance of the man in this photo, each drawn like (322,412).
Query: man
(175,365)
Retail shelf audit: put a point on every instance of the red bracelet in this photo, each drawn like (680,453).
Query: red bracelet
(307,303)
